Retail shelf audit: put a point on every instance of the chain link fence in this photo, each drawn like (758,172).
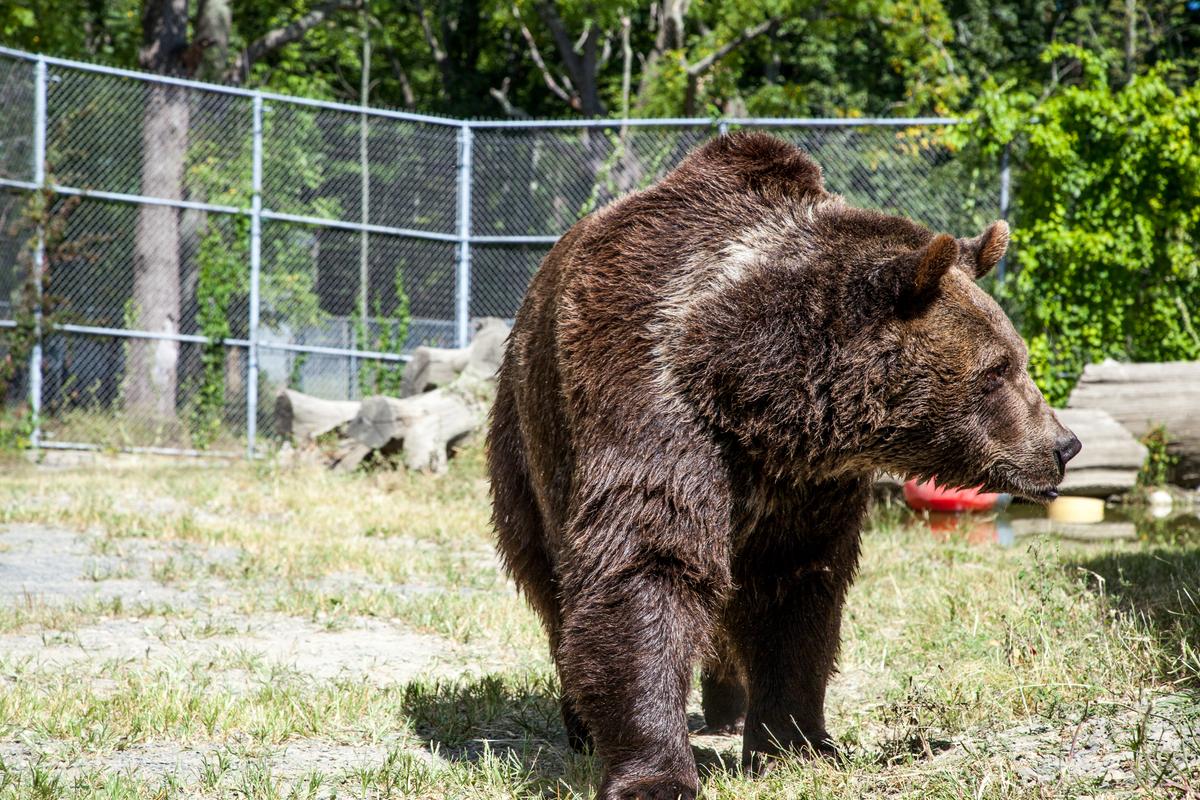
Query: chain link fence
(172,253)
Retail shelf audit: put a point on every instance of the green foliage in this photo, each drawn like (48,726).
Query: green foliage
(391,334)
(1107,197)
(1159,462)
(836,57)
(1006,41)
(841,58)
(16,429)
(108,29)
(33,305)
(222,277)
(296,372)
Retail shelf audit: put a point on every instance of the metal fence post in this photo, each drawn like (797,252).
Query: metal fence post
(255,268)
(39,251)
(1005,186)
(462,279)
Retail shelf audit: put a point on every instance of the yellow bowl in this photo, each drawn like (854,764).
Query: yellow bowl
(1077,510)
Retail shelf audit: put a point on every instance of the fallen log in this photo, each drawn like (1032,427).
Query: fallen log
(431,367)
(1142,397)
(301,418)
(1110,459)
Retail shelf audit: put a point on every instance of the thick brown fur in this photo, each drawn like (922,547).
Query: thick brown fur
(698,389)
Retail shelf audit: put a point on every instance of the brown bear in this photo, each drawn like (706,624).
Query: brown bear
(699,387)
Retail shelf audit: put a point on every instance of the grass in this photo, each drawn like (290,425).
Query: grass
(262,631)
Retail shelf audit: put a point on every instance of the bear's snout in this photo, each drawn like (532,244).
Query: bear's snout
(1066,447)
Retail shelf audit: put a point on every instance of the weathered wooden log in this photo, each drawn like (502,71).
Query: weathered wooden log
(431,367)
(301,417)
(1110,459)
(424,427)
(1143,396)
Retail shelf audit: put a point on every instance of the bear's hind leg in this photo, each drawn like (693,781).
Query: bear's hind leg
(626,653)
(521,536)
(723,690)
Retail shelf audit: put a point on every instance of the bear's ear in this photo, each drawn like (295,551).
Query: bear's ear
(987,248)
(919,272)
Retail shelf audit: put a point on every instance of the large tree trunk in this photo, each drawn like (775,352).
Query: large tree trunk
(210,54)
(150,374)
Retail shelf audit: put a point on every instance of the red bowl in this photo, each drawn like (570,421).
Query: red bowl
(928,496)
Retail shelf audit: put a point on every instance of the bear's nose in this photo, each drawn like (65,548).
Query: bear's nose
(1066,448)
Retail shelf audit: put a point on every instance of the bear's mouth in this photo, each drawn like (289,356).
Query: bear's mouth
(1002,480)
(1036,495)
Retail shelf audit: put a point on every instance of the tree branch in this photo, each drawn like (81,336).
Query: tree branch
(406,89)
(581,69)
(292,32)
(695,70)
(698,68)
(501,97)
(435,47)
(562,40)
(547,76)
(670,29)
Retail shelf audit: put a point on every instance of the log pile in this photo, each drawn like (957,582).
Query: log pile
(444,401)
(1143,396)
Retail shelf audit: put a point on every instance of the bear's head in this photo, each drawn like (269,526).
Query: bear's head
(817,339)
(959,404)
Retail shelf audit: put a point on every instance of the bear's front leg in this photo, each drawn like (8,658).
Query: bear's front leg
(629,640)
(787,617)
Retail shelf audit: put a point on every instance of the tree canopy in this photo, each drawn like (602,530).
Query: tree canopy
(539,58)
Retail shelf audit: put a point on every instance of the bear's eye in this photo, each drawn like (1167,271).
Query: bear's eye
(993,379)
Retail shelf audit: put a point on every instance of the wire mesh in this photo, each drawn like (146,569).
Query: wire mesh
(312,288)
(899,170)
(530,181)
(16,123)
(311,164)
(15,249)
(501,273)
(148,287)
(88,396)
(113,134)
(413,166)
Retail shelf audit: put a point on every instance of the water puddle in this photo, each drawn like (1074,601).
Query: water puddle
(1181,525)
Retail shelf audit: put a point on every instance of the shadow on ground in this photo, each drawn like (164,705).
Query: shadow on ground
(513,719)
(1161,586)
(517,720)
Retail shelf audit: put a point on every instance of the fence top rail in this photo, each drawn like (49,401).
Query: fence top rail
(231,90)
(715,122)
(409,116)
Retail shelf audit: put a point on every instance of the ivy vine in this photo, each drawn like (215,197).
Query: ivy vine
(1107,201)
(383,377)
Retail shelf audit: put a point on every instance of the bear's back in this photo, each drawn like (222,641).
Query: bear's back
(589,337)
